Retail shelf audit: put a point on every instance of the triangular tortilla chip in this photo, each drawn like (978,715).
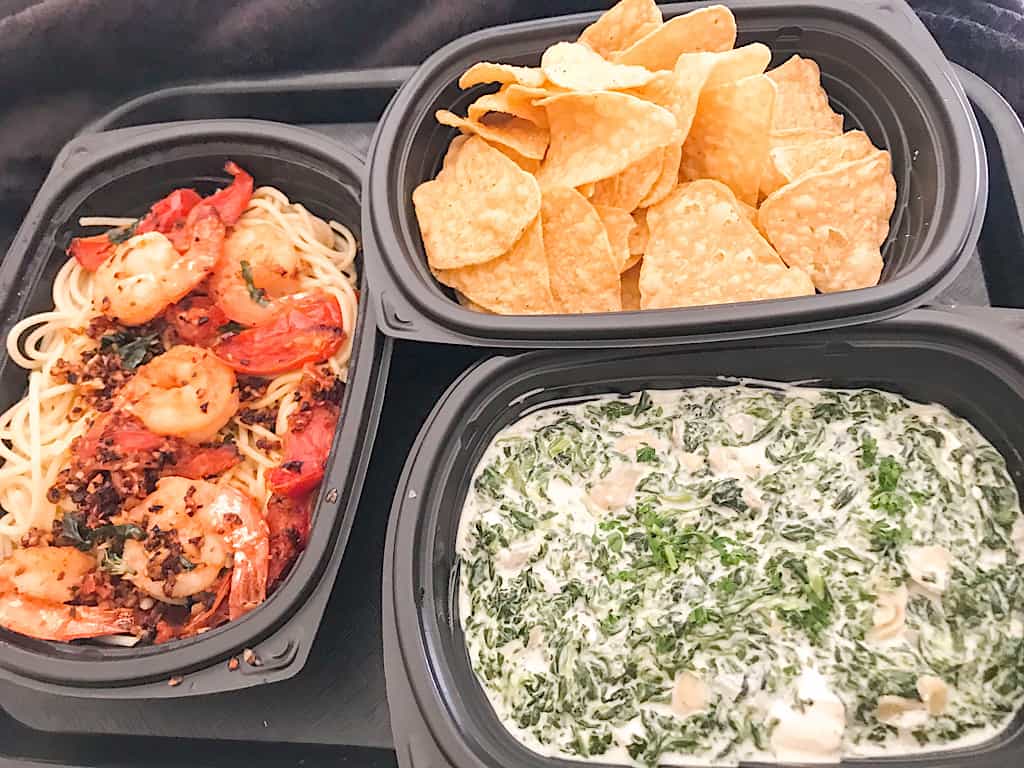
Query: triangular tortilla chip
(515,283)
(596,135)
(584,273)
(729,137)
(621,26)
(706,29)
(832,223)
(703,250)
(476,209)
(802,102)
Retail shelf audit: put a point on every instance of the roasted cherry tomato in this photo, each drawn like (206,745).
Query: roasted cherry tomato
(198,463)
(90,252)
(165,213)
(306,329)
(306,445)
(197,320)
(232,201)
(288,521)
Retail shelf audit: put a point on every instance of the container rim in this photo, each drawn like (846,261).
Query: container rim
(79,168)
(414,307)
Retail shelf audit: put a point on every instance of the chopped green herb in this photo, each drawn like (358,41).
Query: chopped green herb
(256,294)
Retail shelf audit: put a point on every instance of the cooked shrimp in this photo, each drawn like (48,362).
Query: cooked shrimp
(35,584)
(259,264)
(194,530)
(186,392)
(145,274)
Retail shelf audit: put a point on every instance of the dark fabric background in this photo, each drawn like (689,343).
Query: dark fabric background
(63,62)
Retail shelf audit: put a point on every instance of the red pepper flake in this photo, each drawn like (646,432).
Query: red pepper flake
(233,664)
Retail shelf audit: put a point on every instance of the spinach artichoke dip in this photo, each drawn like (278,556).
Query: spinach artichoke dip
(725,573)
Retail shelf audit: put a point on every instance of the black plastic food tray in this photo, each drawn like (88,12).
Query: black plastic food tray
(972,365)
(122,171)
(335,710)
(882,70)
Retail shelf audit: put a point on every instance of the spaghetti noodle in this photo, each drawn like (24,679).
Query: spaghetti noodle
(76,459)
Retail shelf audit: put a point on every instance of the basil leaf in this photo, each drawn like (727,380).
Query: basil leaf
(256,294)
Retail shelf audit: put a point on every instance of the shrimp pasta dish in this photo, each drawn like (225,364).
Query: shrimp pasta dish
(159,474)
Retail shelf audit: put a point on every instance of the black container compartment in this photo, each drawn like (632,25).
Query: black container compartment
(882,70)
(440,714)
(121,173)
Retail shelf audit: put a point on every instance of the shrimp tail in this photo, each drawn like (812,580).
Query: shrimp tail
(249,579)
(56,621)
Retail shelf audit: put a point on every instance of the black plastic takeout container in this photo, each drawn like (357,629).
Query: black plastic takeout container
(440,714)
(882,70)
(120,173)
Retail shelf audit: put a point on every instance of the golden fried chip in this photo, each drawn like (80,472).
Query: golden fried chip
(706,29)
(621,26)
(729,137)
(749,212)
(453,150)
(794,161)
(702,250)
(746,61)
(512,100)
(487,72)
(618,224)
(584,273)
(575,67)
(476,209)
(638,237)
(771,178)
(587,190)
(516,283)
(667,179)
(832,223)
(802,102)
(596,135)
(519,135)
(468,303)
(626,189)
(631,288)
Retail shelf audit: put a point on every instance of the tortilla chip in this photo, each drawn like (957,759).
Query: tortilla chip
(802,102)
(476,209)
(704,251)
(771,178)
(621,26)
(519,135)
(453,150)
(833,223)
(746,61)
(706,29)
(749,212)
(512,100)
(639,235)
(584,273)
(468,303)
(631,288)
(487,72)
(625,190)
(597,135)
(729,137)
(516,283)
(667,179)
(794,161)
(575,67)
(528,164)
(618,225)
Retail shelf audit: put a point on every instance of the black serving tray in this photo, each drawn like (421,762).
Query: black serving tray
(335,711)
